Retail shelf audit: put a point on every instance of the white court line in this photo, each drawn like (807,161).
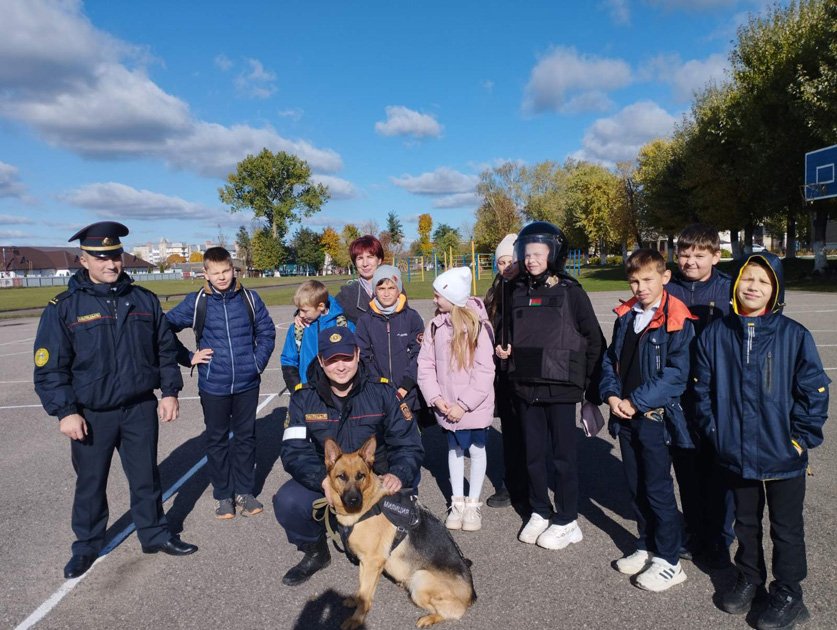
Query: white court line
(43,610)
(179,398)
(11,343)
(15,354)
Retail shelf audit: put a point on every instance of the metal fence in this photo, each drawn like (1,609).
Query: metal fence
(61,281)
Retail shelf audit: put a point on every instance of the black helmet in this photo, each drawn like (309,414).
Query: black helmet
(549,235)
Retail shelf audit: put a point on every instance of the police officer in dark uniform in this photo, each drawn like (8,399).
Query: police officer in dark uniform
(102,348)
(338,402)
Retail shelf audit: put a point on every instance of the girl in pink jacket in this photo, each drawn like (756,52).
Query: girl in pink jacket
(456,377)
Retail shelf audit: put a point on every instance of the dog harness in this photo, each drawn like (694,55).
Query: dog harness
(400,509)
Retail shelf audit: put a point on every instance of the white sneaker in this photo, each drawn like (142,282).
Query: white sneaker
(635,563)
(660,576)
(536,526)
(456,512)
(560,536)
(472,518)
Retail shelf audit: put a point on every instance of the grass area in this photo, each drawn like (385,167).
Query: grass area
(279,291)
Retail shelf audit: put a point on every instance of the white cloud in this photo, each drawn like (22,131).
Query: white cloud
(620,136)
(222,62)
(114,199)
(488,85)
(70,83)
(294,113)
(686,78)
(17,234)
(619,11)
(402,121)
(337,187)
(10,184)
(459,200)
(256,82)
(442,181)
(10,219)
(564,81)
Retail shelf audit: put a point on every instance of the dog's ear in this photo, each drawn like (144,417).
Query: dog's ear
(367,451)
(332,453)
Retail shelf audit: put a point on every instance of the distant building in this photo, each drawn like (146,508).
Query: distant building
(155,254)
(26,262)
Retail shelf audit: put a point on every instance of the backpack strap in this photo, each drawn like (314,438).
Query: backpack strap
(199,316)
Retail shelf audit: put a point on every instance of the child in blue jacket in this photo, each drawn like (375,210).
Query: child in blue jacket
(389,336)
(762,400)
(317,311)
(644,372)
(236,339)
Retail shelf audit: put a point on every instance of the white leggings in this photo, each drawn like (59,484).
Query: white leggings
(456,466)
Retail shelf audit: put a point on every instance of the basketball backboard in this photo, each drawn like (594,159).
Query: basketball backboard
(821,173)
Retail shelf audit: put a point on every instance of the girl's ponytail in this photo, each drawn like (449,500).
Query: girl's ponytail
(466,330)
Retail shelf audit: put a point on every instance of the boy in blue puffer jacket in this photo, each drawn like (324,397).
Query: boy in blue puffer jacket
(762,400)
(235,338)
(317,311)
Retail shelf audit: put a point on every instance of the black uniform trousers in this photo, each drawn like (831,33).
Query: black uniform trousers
(133,431)
(785,498)
(514,450)
(647,464)
(549,434)
(708,505)
(231,462)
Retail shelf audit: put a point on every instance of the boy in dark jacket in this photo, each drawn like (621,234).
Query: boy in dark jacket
(237,340)
(762,400)
(389,336)
(644,373)
(707,503)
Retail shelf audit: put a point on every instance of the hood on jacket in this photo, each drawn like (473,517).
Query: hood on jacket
(80,281)
(772,263)
(399,305)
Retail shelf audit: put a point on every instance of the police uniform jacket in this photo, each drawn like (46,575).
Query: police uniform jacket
(556,340)
(760,387)
(103,346)
(371,408)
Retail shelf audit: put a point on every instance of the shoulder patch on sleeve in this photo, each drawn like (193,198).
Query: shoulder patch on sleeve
(41,357)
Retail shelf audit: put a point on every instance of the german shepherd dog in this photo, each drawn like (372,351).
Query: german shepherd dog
(427,561)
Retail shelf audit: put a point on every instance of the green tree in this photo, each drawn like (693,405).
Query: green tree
(307,248)
(276,187)
(396,232)
(592,197)
(446,239)
(266,249)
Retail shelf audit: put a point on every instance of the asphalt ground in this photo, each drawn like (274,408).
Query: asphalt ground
(235,578)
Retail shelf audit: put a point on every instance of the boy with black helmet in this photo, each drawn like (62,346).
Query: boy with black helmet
(556,344)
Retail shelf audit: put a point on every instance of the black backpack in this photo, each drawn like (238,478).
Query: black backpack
(199,315)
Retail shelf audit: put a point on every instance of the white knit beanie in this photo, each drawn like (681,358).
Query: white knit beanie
(454,285)
(506,247)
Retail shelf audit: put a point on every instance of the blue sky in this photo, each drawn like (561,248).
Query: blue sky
(136,111)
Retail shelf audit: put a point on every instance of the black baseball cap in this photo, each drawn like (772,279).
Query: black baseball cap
(334,341)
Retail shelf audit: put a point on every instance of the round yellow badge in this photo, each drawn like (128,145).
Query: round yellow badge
(335,338)
(41,357)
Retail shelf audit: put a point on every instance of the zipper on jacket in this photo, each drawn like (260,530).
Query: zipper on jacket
(389,351)
(711,312)
(751,332)
(769,374)
(229,342)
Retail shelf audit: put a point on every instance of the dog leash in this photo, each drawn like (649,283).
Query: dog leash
(320,510)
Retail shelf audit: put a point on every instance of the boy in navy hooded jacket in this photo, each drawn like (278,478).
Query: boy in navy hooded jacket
(762,400)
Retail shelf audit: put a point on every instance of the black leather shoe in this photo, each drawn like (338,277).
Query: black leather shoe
(317,556)
(173,547)
(784,611)
(740,598)
(78,565)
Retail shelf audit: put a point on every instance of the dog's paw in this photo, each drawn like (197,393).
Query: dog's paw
(352,623)
(350,602)
(429,620)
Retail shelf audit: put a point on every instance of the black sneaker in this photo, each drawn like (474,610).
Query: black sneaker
(248,505)
(224,509)
(784,611)
(740,598)
(499,499)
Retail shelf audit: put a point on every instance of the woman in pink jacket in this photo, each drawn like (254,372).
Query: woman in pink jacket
(456,377)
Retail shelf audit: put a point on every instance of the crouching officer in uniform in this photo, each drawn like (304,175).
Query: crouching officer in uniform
(102,348)
(342,403)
